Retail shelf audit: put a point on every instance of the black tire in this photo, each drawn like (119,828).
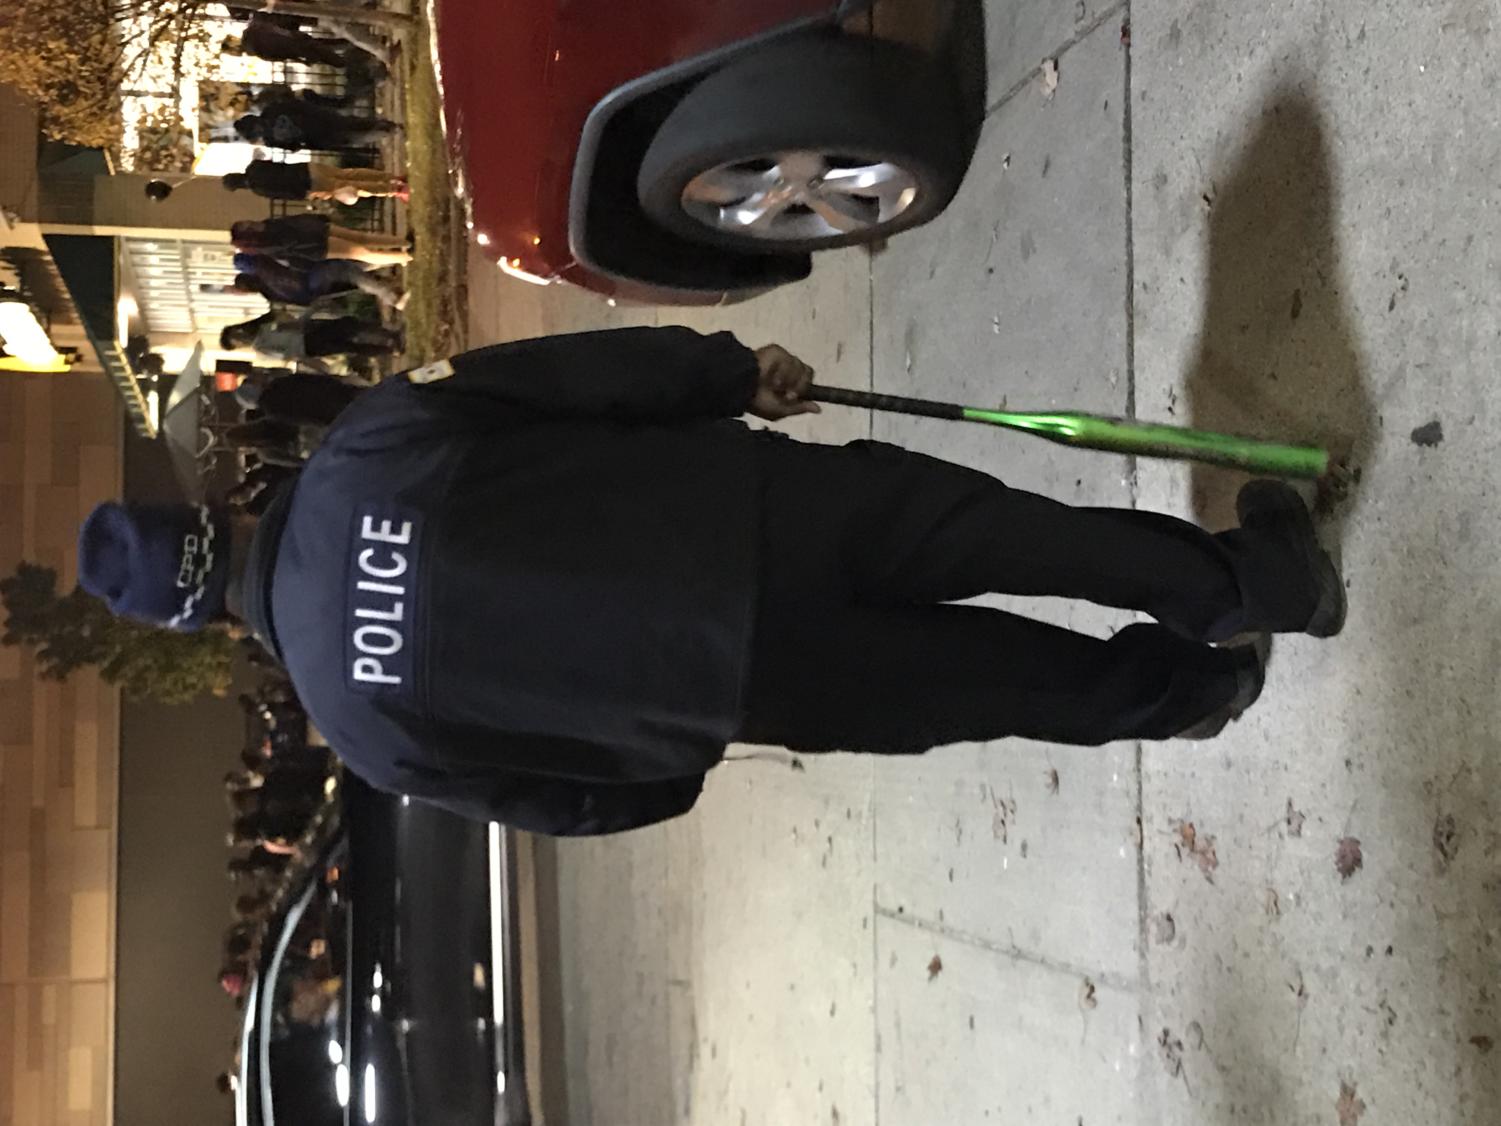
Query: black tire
(833,94)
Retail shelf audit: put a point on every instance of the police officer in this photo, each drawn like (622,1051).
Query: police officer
(547,582)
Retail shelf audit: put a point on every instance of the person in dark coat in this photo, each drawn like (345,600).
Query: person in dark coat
(309,338)
(308,398)
(278,38)
(308,238)
(547,582)
(295,124)
(282,284)
(314,180)
(256,864)
(278,831)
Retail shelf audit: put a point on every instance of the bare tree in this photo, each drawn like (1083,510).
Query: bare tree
(75,58)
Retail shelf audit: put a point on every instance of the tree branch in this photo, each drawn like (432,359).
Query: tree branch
(373,16)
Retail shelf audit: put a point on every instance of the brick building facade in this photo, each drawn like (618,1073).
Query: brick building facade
(60,453)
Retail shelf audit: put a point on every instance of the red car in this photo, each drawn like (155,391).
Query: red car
(687,150)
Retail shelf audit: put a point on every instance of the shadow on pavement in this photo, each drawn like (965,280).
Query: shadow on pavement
(1278,355)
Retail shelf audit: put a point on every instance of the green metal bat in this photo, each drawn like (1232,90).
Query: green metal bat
(1098,432)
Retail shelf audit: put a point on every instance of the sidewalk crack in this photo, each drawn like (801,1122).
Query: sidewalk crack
(1007,950)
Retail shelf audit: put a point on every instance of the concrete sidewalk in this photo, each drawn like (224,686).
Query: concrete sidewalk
(1270,218)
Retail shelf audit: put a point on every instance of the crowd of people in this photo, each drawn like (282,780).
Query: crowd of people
(333,294)
(311,268)
(279,802)
(304,263)
(274,799)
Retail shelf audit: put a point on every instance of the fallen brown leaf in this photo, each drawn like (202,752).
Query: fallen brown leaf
(1049,77)
(1300,996)
(1208,859)
(935,967)
(1167,928)
(1293,820)
(1446,839)
(1087,998)
(1002,812)
(1350,1107)
(1348,859)
(1171,1050)
(1199,846)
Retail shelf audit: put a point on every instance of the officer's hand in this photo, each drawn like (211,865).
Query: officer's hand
(783,382)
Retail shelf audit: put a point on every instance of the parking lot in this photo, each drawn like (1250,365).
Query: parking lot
(1277,219)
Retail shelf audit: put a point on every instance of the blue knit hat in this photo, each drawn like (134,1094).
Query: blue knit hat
(167,564)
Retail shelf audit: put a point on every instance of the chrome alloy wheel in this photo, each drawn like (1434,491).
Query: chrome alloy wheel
(799,196)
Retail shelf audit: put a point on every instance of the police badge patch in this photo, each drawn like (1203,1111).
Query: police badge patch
(430,373)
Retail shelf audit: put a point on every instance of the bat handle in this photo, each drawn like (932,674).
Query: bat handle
(871,400)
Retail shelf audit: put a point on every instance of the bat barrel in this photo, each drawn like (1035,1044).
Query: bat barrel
(1116,435)
(1147,439)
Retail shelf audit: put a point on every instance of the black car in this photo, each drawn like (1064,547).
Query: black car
(387,987)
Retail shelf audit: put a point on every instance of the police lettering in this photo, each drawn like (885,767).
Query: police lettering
(187,567)
(380,603)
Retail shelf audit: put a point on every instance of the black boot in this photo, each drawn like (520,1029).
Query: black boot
(1272,508)
(1250,678)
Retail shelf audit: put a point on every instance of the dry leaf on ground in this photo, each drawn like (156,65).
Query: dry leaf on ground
(1348,859)
(1350,1107)
(1003,810)
(1049,77)
(1087,998)
(1446,839)
(935,967)
(1293,820)
(1199,846)
(1171,1050)
(1300,996)
(1167,928)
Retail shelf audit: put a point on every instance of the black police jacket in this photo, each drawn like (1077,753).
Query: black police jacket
(520,584)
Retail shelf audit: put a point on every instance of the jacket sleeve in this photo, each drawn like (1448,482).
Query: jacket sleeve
(642,374)
(570,809)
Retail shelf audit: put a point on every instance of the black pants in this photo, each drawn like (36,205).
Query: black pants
(347,336)
(856,648)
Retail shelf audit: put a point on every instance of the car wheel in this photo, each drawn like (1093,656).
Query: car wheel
(807,146)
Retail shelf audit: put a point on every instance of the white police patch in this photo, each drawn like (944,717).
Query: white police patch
(382,587)
(430,373)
